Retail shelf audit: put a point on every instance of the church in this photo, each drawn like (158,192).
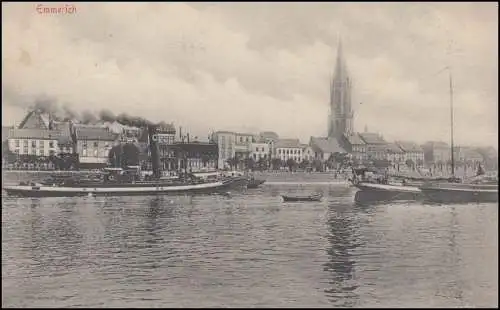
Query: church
(341,137)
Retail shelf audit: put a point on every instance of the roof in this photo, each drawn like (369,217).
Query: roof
(408,146)
(90,126)
(64,140)
(223,133)
(437,144)
(288,143)
(326,145)
(354,139)
(95,134)
(64,127)
(269,135)
(372,138)
(246,134)
(43,120)
(394,148)
(39,134)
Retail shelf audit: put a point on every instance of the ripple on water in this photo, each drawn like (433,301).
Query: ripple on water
(250,249)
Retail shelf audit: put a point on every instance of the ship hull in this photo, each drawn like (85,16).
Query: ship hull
(369,192)
(460,194)
(160,189)
(255,183)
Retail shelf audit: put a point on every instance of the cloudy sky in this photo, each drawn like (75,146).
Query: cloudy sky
(260,66)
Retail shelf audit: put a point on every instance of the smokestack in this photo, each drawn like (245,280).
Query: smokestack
(155,152)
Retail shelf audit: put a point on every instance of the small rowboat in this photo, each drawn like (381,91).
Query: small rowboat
(313,197)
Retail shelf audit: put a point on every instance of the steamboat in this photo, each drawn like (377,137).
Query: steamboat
(129,181)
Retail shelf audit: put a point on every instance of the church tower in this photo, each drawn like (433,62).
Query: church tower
(340,120)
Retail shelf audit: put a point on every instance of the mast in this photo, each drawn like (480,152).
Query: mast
(451,123)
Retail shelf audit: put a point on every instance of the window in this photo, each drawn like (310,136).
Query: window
(17,143)
(241,139)
(262,149)
(33,143)
(51,144)
(96,144)
(256,149)
(84,144)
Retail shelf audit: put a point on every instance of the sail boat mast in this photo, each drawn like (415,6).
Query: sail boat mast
(451,123)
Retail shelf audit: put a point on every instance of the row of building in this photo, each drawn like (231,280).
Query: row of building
(39,136)
(363,147)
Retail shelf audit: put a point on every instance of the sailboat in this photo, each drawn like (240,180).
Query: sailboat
(454,190)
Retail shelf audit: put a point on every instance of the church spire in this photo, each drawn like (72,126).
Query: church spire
(340,70)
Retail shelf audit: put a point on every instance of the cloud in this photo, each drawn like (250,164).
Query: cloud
(209,66)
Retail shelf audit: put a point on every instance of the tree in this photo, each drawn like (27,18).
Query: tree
(262,164)
(304,164)
(420,162)
(291,163)
(317,165)
(409,163)
(250,163)
(7,154)
(276,163)
(232,162)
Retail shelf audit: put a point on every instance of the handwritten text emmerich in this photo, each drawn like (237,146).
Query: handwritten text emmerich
(56,9)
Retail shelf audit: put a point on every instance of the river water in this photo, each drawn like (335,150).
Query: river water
(249,249)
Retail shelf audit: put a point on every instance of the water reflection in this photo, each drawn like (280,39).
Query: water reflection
(342,241)
(454,285)
(55,238)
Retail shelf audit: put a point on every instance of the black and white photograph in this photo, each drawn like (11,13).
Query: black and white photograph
(249,154)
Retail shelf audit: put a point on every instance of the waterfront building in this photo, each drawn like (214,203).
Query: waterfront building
(490,156)
(436,152)
(242,147)
(308,153)
(412,152)
(324,148)
(126,134)
(356,146)
(233,146)
(165,135)
(468,155)
(395,154)
(375,145)
(35,142)
(259,151)
(289,149)
(93,145)
(225,141)
(270,137)
(195,156)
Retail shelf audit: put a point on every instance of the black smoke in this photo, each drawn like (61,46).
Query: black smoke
(69,114)
(88,117)
(134,121)
(107,116)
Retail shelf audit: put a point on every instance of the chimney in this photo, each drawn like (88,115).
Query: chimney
(155,152)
